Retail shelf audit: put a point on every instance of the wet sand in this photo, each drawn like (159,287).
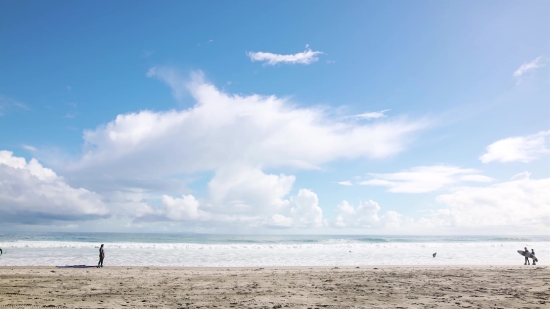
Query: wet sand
(277,287)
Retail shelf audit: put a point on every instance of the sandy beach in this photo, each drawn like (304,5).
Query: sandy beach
(277,287)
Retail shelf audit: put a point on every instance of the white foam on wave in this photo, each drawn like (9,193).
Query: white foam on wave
(47,253)
(191,246)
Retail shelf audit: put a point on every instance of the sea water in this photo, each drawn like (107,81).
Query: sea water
(47,249)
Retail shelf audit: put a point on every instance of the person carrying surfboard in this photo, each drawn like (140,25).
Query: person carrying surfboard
(526,254)
(101,256)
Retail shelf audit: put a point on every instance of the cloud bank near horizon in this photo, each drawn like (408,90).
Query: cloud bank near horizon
(237,138)
(32,194)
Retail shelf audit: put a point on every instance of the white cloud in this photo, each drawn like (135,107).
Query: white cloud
(140,162)
(223,130)
(7,104)
(185,208)
(280,221)
(255,201)
(476,178)
(529,66)
(520,148)
(371,115)
(306,57)
(425,179)
(521,204)
(29,148)
(345,183)
(305,209)
(365,215)
(522,175)
(240,189)
(236,137)
(30,193)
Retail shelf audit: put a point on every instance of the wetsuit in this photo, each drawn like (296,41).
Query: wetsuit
(526,254)
(101,257)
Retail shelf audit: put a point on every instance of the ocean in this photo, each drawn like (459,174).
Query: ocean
(49,249)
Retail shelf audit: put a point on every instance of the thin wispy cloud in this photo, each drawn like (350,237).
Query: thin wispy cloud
(72,113)
(345,183)
(204,43)
(371,115)
(424,179)
(528,66)
(29,147)
(306,57)
(147,53)
(7,103)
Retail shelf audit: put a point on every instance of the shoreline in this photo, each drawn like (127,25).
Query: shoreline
(283,267)
(270,287)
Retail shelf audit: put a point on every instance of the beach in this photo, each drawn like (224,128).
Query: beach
(277,287)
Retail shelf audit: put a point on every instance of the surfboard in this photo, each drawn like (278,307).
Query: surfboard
(528,254)
(76,266)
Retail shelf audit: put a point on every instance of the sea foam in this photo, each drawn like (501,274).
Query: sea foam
(325,252)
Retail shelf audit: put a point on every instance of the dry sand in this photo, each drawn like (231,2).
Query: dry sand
(277,287)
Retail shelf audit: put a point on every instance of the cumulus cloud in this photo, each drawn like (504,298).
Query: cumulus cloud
(31,193)
(300,211)
(243,195)
(365,215)
(528,66)
(521,204)
(184,208)
(425,178)
(236,137)
(140,162)
(518,149)
(303,212)
(305,209)
(306,57)
(371,115)
(221,130)
(240,189)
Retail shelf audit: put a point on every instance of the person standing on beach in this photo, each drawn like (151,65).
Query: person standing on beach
(101,256)
(526,254)
(533,256)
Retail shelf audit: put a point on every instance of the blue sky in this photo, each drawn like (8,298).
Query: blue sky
(395,117)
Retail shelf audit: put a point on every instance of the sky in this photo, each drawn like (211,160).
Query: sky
(275,117)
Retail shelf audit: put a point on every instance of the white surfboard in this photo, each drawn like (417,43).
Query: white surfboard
(528,254)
